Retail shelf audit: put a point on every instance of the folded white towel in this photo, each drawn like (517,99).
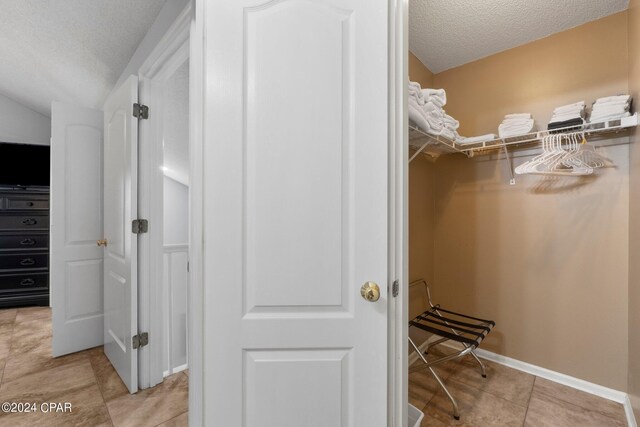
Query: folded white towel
(609,117)
(564,117)
(516,122)
(576,106)
(506,130)
(610,104)
(477,139)
(518,116)
(615,98)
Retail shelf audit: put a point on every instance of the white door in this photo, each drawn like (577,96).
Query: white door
(120,252)
(76,224)
(296,171)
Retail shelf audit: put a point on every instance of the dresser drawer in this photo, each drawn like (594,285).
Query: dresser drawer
(23,203)
(13,241)
(24,261)
(24,282)
(24,222)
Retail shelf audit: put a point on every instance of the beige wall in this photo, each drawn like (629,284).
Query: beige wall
(418,72)
(548,258)
(583,63)
(421,219)
(634,214)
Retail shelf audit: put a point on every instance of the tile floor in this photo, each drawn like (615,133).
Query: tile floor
(85,379)
(507,397)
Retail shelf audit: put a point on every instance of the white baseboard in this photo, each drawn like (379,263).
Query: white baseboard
(628,410)
(569,381)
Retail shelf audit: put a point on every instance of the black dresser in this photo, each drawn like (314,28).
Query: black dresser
(24,247)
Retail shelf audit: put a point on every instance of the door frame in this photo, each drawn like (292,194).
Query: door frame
(398,212)
(171,52)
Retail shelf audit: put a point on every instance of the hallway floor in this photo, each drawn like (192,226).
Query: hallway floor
(85,379)
(507,397)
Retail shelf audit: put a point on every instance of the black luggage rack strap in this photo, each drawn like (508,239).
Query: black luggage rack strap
(459,327)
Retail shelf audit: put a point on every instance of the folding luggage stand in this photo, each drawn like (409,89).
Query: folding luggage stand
(466,330)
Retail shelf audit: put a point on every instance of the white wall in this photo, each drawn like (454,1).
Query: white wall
(175,277)
(166,17)
(176,212)
(21,124)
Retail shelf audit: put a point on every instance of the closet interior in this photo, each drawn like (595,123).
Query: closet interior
(523,172)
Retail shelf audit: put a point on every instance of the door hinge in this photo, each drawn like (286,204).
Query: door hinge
(139,226)
(395,288)
(140,340)
(140,111)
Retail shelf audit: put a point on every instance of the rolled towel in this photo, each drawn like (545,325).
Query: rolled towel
(438,96)
(450,122)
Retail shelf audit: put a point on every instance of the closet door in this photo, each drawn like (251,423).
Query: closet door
(76,224)
(296,213)
(120,243)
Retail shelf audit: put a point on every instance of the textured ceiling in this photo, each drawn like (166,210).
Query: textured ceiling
(447,33)
(68,50)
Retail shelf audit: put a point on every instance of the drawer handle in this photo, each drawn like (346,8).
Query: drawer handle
(27,261)
(28,242)
(29,203)
(29,221)
(27,282)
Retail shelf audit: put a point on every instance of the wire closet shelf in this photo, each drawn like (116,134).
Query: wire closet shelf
(432,145)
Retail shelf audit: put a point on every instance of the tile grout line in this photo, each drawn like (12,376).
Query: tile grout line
(13,330)
(586,409)
(172,418)
(491,393)
(95,377)
(526,413)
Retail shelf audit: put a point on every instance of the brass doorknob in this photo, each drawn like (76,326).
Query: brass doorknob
(101,242)
(370,291)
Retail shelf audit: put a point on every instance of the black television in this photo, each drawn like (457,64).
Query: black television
(24,165)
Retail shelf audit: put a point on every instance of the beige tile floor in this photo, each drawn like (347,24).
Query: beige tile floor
(507,397)
(85,379)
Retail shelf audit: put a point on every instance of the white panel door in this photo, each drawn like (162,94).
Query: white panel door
(120,253)
(296,213)
(76,223)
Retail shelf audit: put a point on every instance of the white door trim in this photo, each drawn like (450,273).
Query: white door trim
(398,215)
(195,304)
(170,53)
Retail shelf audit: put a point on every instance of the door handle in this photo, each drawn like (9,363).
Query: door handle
(101,242)
(27,261)
(370,291)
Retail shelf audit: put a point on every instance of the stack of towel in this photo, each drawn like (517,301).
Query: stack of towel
(515,125)
(476,139)
(571,115)
(425,110)
(610,108)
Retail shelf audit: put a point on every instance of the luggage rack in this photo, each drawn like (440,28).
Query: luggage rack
(466,330)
